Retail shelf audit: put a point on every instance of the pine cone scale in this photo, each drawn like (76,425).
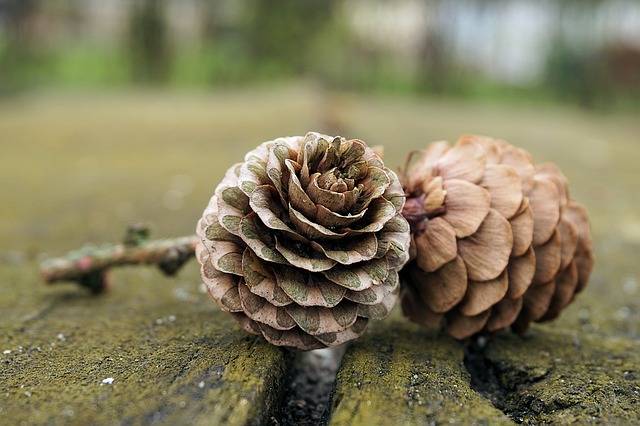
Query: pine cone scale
(461,326)
(330,219)
(466,206)
(443,289)
(258,309)
(465,162)
(537,299)
(548,259)
(522,231)
(486,253)
(231,216)
(569,237)
(256,236)
(504,313)
(261,281)
(505,189)
(309,290)
(374,295)
(317,320)
(264,203)
(297,197)
(545,206)
(438,243)
(481,295)
(521,270)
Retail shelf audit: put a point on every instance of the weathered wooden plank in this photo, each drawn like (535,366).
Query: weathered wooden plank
(398,374)
(564,377)
(71,181)
(150,351)
(401,375)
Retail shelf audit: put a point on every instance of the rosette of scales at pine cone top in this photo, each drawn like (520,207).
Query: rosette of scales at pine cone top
(496,240)
(302,242)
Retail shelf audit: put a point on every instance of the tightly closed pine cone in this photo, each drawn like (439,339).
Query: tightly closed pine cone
(496,241)
(302,242)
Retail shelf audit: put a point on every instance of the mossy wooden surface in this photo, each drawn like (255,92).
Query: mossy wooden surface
(79,168)
(566,377)
(169,358)
(398,374)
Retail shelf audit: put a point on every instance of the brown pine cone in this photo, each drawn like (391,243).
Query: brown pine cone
(303,241)
(494,238)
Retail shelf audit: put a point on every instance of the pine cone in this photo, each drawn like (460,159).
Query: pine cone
(495,239)
(303,241)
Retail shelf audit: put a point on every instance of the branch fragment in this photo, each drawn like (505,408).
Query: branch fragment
(89,265)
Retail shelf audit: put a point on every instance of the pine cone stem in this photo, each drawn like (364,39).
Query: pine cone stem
(88,266)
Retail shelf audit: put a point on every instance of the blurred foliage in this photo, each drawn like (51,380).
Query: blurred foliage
(593,79)
(253,41)
(19,56)
(574,75)
(148,44)
(281,35)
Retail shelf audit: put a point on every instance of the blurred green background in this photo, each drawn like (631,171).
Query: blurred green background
(585,52)
(120,111)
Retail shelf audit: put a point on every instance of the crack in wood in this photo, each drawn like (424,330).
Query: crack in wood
(502,383)
(309,388)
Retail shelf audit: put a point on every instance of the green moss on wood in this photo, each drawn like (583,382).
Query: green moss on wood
(172,355)
(567,377)
(398,374)
(71,182)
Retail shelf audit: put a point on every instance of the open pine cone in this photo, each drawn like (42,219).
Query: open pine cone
(303,241)
(496,241)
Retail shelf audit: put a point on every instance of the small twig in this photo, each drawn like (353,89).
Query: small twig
(88,266)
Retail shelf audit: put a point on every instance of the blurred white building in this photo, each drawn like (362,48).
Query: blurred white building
(505,40)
